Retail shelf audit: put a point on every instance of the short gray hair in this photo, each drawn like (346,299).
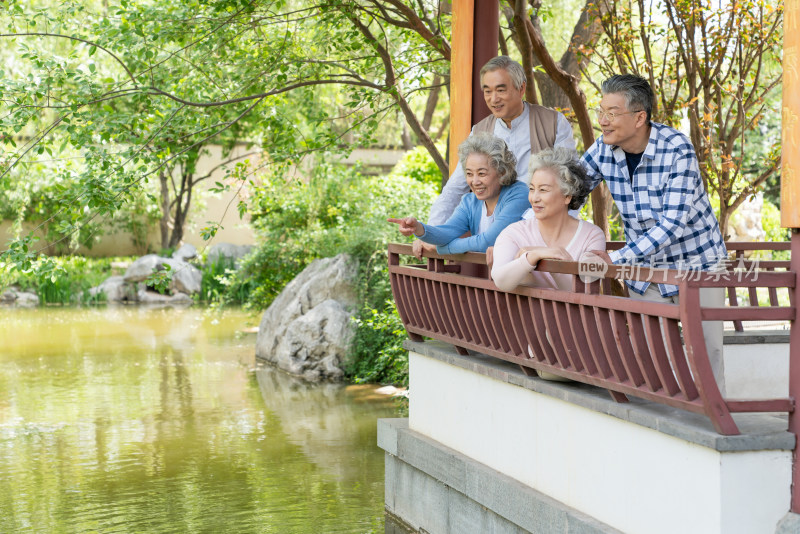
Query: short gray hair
(636,90)
(514,70)
(569,172)
(496,151)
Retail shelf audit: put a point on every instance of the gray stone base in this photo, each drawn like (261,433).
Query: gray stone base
(437,490)
(790,524)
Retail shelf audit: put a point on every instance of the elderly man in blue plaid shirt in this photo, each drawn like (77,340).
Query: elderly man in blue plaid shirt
(652,173)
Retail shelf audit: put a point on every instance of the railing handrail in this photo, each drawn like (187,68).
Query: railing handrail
(639,272)
(655,351)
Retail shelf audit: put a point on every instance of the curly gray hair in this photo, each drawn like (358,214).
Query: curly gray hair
(495,149)
(514,70)
(570,173)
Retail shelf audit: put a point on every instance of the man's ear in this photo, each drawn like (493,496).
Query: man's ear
(524,86)
(641,120)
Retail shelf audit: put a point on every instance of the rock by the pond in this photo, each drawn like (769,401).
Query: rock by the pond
(14,296)
(8,296)
(115,289)
(143,267)
(185,253)
(307,330)
(186,279)
(227,250)
(146,296)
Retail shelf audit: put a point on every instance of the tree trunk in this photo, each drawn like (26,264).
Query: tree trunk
(395,91)
(586,32)
(183,201)
(526,49)
(430,104)
(165,211)
(569,84)
(724,220)
(406,137)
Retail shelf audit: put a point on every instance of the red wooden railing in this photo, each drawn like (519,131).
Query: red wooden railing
(593,334)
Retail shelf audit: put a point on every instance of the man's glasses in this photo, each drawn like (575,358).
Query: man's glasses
(611,115)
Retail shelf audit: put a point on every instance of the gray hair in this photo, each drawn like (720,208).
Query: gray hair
(637,91)
(495,149)
(514,70)
(569,172)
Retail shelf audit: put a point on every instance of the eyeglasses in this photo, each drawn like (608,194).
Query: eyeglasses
(611,115)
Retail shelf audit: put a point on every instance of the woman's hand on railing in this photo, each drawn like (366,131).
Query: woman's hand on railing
(600,254)
(543,253)
(418,246)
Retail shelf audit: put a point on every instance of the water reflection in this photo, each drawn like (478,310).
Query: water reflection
(328,422)
(137,420)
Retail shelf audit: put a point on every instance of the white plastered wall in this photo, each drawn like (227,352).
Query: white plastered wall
(630,477)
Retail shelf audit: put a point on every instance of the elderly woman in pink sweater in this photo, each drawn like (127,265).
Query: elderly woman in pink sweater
(558,184)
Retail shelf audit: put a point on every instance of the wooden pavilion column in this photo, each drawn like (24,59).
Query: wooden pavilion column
(475,35)
(790,205)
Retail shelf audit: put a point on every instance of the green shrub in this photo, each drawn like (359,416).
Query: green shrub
(771,222)
(378,354)
(61,279)
(418,164)
(220,285)
(337,210)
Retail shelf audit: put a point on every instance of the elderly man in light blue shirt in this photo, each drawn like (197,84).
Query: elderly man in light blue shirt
(523,126)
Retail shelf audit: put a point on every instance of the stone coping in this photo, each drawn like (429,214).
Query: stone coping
(790,524)
(758,431)
(510,499)
(755,337)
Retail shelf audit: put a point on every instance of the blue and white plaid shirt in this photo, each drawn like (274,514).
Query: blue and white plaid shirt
(665,210)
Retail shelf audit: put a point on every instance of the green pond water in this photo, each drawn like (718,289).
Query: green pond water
(158,420)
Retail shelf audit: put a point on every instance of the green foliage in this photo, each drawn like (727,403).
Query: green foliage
(106,109)
(160,278)
(61,279)
(221,285)
(336,210)
(419,165)
(716,72)
(771,222)
(378,354)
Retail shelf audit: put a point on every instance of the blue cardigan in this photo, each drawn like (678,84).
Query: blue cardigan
(511,205)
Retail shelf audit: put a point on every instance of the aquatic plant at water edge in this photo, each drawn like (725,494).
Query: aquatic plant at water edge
(61,279)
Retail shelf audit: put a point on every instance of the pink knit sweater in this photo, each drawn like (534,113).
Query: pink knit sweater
(508,272)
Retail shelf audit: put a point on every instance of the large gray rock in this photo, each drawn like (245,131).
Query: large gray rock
(9,296)
(307,330)
(115,289)
(140,269)
(185,253)
(27,299)
(14,296)
(186,278)
(145,296)
(227,250)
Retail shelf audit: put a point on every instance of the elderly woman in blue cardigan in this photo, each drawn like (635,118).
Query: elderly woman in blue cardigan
(497,200)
